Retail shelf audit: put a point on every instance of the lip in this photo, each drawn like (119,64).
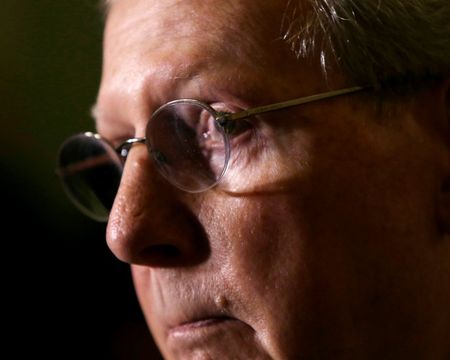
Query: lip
(201,312)
(203,332)
(200,324)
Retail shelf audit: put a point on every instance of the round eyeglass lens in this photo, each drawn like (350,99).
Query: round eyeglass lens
(90,170)
(189,148)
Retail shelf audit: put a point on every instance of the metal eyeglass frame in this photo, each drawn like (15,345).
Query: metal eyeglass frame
(225,122)
(226,119)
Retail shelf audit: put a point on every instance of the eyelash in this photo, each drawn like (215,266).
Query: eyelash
(243,130)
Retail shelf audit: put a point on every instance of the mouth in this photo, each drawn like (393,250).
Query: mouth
(202,323)
(204,332)
(199,324)
(212,337)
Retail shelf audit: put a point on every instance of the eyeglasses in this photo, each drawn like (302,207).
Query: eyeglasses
(188,140)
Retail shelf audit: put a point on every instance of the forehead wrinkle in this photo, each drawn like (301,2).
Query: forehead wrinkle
(166,40)
(152,48)
(233,28)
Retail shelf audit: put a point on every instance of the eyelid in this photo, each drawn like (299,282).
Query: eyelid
(222,107)
(225,109)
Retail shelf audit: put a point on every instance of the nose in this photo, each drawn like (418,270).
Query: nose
(151,222)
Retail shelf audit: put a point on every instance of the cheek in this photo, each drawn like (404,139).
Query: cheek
(260,251)
(262,232)
(339,237)
(268,163)
(377,196)
(369,208)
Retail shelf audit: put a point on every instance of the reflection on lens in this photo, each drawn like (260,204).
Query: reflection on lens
(189,149)
(90,170)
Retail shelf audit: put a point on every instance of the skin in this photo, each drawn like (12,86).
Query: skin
(328,237)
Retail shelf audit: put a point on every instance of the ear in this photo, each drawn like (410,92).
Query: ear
(444,196)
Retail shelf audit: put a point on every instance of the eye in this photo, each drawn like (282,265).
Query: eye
(235,128)
(192,150)
(209,133)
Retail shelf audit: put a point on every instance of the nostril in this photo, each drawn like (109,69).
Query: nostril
(166,250)
(162,255)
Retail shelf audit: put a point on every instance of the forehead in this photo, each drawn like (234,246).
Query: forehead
(201,13)
(211,25)
(154,48)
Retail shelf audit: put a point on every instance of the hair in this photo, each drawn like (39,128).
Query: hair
(386,44)
(381,43)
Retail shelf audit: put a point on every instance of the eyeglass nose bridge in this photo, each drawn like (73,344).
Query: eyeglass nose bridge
(124,148)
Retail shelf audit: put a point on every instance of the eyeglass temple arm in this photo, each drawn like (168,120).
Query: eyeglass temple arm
(286,104)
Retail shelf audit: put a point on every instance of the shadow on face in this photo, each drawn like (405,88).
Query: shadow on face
(320,242)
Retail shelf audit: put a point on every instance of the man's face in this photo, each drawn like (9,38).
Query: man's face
(322,240)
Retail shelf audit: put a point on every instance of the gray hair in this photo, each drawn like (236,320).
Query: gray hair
(373,42)
(380,43)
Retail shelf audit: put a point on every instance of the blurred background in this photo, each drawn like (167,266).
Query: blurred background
(65,294)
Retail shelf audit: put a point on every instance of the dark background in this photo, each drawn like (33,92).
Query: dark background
(64,294)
